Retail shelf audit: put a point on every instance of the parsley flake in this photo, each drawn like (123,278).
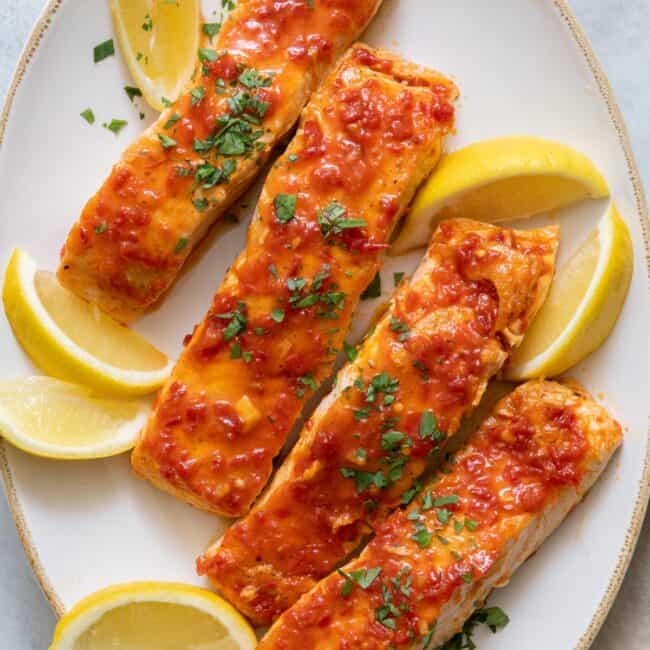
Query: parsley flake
(88,115)
(429,427)
(207,54)
(333,219)
(115,126)
(132,92)
(103,50)
(197,94)
(285,207)
(166,141)
(182,243)
(373,290)
(211,29)
(237,321)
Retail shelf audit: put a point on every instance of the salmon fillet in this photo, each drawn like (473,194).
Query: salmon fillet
(184,172)
(367,139)
(446,333)
(429,566)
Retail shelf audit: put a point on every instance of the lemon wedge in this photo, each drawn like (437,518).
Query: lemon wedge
(153,616)
(583,305)
(497,180)
(54,419)
(159,40)
(70,339)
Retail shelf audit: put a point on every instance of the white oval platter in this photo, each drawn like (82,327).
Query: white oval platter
(524,67)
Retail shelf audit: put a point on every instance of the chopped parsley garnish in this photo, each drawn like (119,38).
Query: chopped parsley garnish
(429,427)
(445,501)
(208,175)
(147,25)
(235,351)
(362,413)
(237,321)
(382,383)
(361,453)
(211,29)
(391,440)
(333,219)
(115,126)
(207,54)
(88,115)
(277,315)
(351,351)
(132,92)
(373,290)
(166,141)
(251,78)
(197,94)
(363,577)
(426,501)
(424,371)
(328,301)
(101,228)
(467,577)
(172,120)
(402,329)
(387,613)
(273,270)
(471,525)
(443,515)
(285,207)
(363,480)
(182,243)
(422,537)
(397,278)
(103,50)
(494,617)
(308,381)
(409,495)
(292,157)
(166,102)
(200,204)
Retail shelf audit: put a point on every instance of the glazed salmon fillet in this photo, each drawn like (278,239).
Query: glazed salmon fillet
(429,566)
(184,172)
(367,139)
(445,334)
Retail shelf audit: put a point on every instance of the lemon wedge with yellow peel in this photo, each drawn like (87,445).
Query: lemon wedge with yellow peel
(153,616)
(583,305)
(159,40)
(497,180)
(55,419)
(70,339)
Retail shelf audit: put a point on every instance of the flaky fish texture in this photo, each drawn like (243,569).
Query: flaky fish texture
(367,139)
(446,333)
(467,531)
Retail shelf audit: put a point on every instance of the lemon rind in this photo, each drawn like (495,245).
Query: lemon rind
(502,158)
(125,439)
(88,610)
(152,92)
(67,360)
(615,240)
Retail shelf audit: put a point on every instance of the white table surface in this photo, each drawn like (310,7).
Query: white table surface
(619,31)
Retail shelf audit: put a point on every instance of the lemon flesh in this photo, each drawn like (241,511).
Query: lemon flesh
(153,616)
(54,419)
(497,180)
(73,340)
(159,41)
(583,305)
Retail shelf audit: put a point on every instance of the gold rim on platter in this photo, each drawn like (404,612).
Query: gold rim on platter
(565,13)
